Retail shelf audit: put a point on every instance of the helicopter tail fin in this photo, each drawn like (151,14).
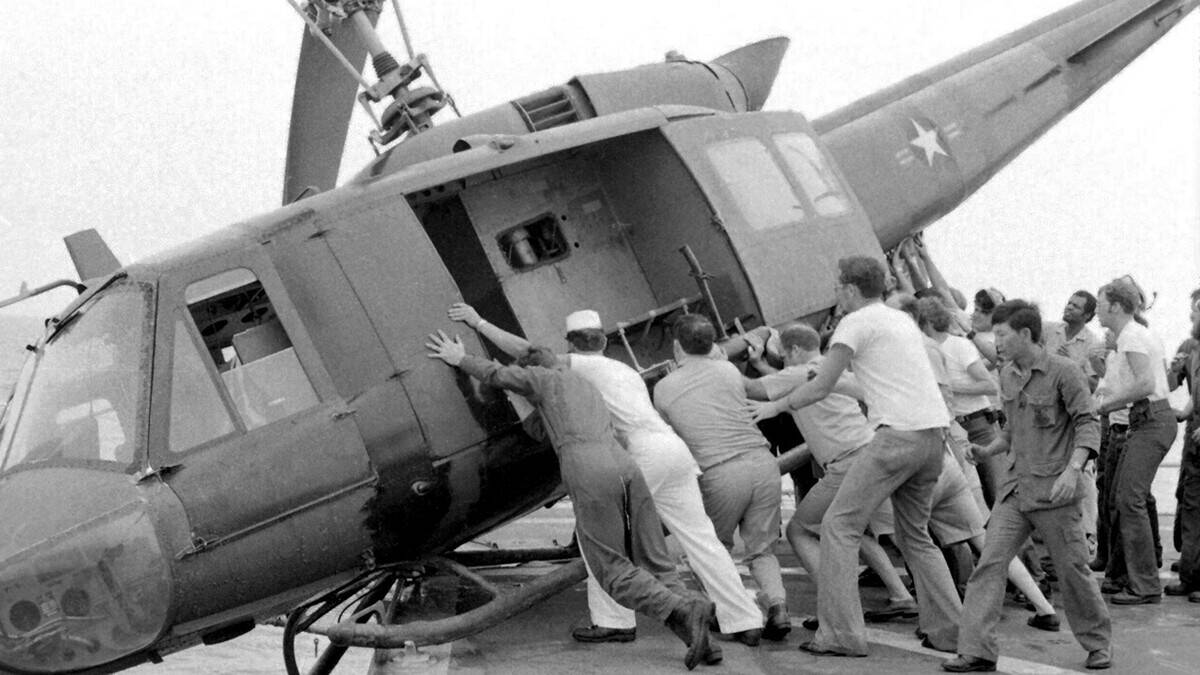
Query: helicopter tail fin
(91,256)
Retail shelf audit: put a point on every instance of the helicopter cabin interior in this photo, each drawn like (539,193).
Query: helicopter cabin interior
(608,225)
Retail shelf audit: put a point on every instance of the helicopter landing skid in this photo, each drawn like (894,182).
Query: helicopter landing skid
(414,605)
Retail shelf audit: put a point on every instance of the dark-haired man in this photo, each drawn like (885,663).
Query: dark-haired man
(615,522)
(1051,432)
(902,461)
(705,401)
(667,466)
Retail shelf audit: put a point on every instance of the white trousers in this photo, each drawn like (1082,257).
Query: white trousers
(671,473)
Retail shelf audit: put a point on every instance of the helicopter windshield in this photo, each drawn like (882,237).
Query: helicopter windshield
(80,396)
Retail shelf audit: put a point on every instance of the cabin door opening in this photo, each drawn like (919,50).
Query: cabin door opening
(450,229)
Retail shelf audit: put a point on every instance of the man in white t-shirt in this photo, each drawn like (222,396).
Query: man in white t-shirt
(1140,382)
(903,462)
(670,472)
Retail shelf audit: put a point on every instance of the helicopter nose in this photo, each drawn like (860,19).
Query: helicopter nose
(756,66)
(83,578)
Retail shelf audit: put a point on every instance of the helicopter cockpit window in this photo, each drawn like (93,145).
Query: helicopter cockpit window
(759,188)
(809,167)
(249,347)
(198,414)
(81,395)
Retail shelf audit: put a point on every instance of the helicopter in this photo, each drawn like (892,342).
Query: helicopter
(249,424)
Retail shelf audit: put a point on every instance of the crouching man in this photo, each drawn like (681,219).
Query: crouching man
(1051,433)
(615,521)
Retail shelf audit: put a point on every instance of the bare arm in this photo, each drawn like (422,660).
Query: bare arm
(513,345)
(982,383)
(1141,387)
(832,367)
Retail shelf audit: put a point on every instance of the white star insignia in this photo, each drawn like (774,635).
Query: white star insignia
(927,140)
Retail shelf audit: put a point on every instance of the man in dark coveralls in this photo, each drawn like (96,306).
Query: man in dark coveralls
(1052,431)
(615,520)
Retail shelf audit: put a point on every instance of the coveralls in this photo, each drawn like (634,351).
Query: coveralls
(618,531)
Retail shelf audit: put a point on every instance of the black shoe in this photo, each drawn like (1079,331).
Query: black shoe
(1047,622)
(929,645)
(813,649)
(1099,659)
(810,623)
(1098,565)
(1194,596)
(749,637)
(690,624)
(1177,588)
(901,609)
(1110,586)
(601,634)
(778,623)
(969,664)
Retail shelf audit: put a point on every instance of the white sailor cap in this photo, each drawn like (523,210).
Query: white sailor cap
(583,320)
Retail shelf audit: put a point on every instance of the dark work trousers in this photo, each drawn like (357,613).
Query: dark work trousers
(1187,513)
(992,471)
(1152,429)
(1115,442)
(1102,487)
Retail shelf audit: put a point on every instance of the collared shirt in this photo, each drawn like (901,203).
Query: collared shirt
(705,401)
(1081,349)
(833,426)
(1049,415)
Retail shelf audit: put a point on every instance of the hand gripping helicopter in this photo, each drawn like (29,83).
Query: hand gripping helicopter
(248,424)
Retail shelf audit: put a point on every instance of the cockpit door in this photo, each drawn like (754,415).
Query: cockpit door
(782,202)
(250,433)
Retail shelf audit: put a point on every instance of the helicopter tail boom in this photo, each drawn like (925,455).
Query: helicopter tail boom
(915,150)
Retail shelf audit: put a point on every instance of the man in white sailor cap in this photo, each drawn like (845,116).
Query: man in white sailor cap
(668,467)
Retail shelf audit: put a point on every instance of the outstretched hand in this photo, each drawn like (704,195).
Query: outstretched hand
(442,347)
(765,410)
(461,311)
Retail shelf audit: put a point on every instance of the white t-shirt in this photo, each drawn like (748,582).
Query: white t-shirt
(960,354)
(1137,339)
(832,426)
(1108,384)
(624,393)
(890,363)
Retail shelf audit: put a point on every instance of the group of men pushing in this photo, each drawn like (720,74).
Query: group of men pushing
(693,459)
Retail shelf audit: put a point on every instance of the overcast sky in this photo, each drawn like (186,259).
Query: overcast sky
(155,122)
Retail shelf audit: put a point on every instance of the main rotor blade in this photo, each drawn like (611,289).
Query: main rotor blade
(321,110)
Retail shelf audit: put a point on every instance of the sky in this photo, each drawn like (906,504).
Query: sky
(156,122)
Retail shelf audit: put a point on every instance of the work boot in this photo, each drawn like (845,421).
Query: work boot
(689,622)
(778,623)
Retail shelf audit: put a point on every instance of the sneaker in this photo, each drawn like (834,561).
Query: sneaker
(1046,622)
(595,633)
(895,609)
